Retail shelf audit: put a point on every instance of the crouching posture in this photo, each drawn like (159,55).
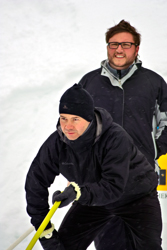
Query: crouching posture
(108,177)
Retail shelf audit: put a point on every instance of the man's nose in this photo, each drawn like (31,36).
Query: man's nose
(69,125)
(119,49)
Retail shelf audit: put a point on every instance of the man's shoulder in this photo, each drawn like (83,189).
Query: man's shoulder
(150,73)
(91,77)
(92,73)
(52,139)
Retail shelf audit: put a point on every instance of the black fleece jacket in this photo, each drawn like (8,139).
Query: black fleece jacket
(137,102)
(104,162)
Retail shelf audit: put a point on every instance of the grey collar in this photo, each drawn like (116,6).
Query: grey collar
(112,74)
(118,73)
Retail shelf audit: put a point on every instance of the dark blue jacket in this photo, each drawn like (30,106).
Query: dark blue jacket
(137,102)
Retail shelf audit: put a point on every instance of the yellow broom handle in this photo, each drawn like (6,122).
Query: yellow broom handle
(43,225)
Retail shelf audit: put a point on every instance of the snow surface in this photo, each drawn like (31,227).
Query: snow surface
(47,46)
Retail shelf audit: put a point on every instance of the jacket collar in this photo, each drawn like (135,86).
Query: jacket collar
(113,75)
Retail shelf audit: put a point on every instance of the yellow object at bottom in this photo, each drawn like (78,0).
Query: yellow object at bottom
(162,161)
(43,225)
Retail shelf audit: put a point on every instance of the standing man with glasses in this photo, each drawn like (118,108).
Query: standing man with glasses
(136,98)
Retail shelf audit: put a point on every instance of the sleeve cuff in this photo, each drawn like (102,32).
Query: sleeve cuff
(47,233)
(77,190)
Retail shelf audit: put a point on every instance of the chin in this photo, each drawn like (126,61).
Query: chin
(71,138)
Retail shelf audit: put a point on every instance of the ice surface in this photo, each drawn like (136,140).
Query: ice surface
(47,46)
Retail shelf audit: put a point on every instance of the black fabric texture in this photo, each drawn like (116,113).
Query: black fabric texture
(134,226)
(53,243)
(77,101)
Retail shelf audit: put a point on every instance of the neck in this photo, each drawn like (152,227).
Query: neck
(119,73)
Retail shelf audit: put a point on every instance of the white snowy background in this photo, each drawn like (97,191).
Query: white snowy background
(45,47)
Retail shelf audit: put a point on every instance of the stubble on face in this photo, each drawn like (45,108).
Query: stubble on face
(122,58)
(73,126)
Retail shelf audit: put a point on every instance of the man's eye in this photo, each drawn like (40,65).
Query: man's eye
(126,45)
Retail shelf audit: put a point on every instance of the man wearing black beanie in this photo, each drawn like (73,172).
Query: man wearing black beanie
(77,101)
(108,176)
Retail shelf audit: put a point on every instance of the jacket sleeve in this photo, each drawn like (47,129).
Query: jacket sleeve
(114,172)
(40,176)
(161,120)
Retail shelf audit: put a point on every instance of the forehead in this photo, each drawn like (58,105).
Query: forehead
(69,116)
(122,37)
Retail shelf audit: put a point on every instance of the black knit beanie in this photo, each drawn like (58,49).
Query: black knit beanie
(77,101)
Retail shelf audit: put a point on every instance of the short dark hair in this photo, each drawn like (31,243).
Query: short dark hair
(123,26)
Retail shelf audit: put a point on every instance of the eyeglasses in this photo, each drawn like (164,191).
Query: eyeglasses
(124,45)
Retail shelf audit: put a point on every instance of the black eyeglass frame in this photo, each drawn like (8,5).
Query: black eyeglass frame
(121,45)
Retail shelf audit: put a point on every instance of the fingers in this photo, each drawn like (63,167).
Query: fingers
(56,197)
